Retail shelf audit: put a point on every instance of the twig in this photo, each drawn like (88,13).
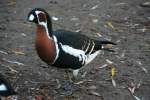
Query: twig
(13,62)
(3,52)
(13,70)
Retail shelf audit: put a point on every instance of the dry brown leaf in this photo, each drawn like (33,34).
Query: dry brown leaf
(113,72)
(12,3)
(110,25)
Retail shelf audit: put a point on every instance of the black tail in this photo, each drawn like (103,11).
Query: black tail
(102,45)
(107,42)
(107,48)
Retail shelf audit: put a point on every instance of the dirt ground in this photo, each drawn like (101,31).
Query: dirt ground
(126,22)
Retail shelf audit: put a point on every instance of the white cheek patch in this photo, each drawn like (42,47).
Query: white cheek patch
(3,87)
(31,17)
(37,12)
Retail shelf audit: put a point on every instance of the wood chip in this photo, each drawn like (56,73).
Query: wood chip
(93,87)
(3,52)
(113,82)
(18,52)
(95,93)
(145,4)
(94,7)
(58,84)
(99,34)
(108,61)
(13,62)
(120,4)
(145,70)
(55,18)
(80,82)
(95,20)
(12,3)
(10,68)
(103,66)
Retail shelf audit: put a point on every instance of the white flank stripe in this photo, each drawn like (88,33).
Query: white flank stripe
(92,47)
(3,87)
(75,52)
(87,46)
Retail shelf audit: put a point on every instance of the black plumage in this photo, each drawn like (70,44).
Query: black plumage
(79,41)
(9,89)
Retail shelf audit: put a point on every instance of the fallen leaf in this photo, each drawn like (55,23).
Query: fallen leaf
(55,18)
(99,34)
(94,7)
(12,2)
(113,72)
(95,93)
(113,82)
(110,25)
(13,62)
(11,69)
(108,61)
